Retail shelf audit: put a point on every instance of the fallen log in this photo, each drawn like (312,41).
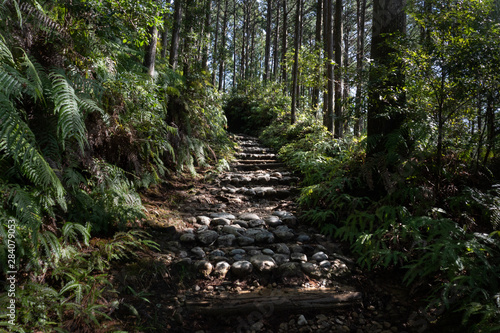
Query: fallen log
(297,301)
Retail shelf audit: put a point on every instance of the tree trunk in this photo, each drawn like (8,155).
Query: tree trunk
(206,43)
(328,116)
(317,43)
(338,70)
(150,54)
(345,65)
(234,44)
(243,44)
(360,54)
(216,40)
(174,45)
(164,34)
(295,71)
(251,62)
(490,127)
(188,39)
(386,94)
(222,53)
(267,56)
(284,70)
(276,40)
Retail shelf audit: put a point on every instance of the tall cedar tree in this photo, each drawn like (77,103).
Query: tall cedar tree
(386,97)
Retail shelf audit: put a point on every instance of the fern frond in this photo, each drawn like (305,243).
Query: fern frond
(91,106)
(5,54)
(71,230)
(73,178)
(43,19)
(78,290)
(18,141)
(52,247)
(11,81)
(70,123)
(33,71)
(27,208)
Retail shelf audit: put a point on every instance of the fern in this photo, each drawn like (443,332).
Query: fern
(71,232)
(17,141)
(33,71)
(27,208)
(70,123)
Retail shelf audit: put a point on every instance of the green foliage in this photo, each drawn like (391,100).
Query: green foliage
(78,294)
(254,105)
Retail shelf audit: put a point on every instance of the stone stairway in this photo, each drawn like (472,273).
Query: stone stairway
(253,261)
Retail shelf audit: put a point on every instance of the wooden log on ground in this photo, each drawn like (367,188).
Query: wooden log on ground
(295,302)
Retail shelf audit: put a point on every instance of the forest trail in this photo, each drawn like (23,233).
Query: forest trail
(242,262)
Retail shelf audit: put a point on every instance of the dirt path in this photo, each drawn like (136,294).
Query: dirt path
(238,260)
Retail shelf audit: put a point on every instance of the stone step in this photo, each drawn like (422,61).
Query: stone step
(267,191)
(261,166)
(259,161)
(261,180)
(256,150)
(248,143)
(245,156)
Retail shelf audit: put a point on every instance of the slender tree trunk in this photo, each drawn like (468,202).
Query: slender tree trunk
(345,58)
(251,63)
(243,44)
(150,54)
(284,70)
(222,53)
(216,40)
(338,70)
(328,117)
(206,43)
(234,44)
(317,45)
(295,71)
(188,39)
(490,127)
(360,54)
(267,55)
(174,45)
(276,40)
(164,34)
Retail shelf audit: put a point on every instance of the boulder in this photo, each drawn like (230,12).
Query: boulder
(241,268)
(263,263)
(207,237)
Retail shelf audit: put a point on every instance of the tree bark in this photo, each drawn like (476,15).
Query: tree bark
(216,40)
(317,45)
(188,39)
(174,45)
(267,56)
(339,127)
(386,82)
(345,64)
(150,54)
(284,71)
(360,54)
(328,116)
(295,71)
(234,44)
(164,34)
(222,53)
(206,43)
(276,40)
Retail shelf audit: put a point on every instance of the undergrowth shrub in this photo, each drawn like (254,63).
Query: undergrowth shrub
(254,105)
(397,218)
